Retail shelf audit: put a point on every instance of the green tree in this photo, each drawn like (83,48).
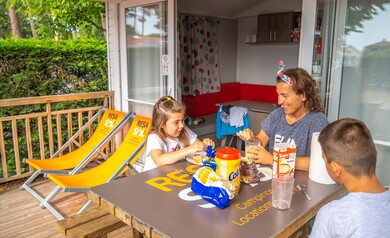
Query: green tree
(59,19)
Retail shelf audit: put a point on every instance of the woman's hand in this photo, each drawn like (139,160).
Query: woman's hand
(208,141)
(245,134)
(259,155)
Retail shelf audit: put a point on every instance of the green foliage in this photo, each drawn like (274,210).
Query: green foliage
(38,68)
(70,19)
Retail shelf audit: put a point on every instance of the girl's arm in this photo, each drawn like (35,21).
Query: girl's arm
(161,158)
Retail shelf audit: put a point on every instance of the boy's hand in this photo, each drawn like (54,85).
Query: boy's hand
(208,141)
(245,134)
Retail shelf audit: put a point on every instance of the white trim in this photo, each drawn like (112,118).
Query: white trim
(306,44)
(172,81)
(380,142)
(114,71)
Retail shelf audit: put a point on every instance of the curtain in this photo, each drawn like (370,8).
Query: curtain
(198,57)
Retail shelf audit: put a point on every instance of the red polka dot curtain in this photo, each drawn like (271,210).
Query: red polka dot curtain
(198,68)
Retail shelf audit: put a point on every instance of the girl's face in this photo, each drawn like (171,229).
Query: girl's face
(291,102)
(174,125)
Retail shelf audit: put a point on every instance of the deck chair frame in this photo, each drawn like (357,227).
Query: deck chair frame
(127,162)
(84,161)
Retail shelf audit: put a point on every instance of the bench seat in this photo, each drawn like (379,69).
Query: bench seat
(92,223)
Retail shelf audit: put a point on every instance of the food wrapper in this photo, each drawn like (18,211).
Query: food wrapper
(211,188)
(249,172)
(210,158)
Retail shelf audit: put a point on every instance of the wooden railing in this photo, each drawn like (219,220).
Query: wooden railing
(43,125)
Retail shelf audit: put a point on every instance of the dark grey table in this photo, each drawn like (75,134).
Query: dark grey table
(160,203)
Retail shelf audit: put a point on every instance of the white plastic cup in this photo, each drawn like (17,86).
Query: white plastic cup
(251,143)
(282,187)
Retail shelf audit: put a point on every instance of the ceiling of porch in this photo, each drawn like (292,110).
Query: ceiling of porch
(237,8)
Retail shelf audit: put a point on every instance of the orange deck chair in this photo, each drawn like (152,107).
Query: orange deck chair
(110,123)
(127,153)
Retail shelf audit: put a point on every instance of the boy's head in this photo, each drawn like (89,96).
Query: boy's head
(348,143)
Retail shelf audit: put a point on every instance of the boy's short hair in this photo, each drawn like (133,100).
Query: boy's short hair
(348,142)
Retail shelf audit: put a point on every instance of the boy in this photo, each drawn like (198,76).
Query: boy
(350,158)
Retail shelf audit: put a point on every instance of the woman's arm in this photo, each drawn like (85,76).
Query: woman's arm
(262,156)
(302,163)
(161,158)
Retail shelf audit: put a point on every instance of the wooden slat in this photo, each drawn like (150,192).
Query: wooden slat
(15,138)
(41,138)
(44,114)
(91,125)
(145,230)
(107,206)
(70,130)
(2,152)
(59,132)
(28,141)
(55,98)
(123,216)
(50,129)
(71,222)
(80,122)
(96,227)
(93,197)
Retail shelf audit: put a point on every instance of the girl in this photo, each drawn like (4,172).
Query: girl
(170,140)
(299,116)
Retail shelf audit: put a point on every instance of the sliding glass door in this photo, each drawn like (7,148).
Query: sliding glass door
(148,45)
(358,84)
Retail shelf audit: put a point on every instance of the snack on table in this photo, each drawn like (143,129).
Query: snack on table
(210,187)
(197,158)
(248,170)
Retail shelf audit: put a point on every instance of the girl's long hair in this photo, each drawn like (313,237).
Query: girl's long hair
(161,110)
(305,84)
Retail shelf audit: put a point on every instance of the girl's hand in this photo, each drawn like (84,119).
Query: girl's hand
(259,155)
(197,146)
(245,134)
(208,141)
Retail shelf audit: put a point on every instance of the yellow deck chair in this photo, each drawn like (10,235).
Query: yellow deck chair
(127,153)
(110,123)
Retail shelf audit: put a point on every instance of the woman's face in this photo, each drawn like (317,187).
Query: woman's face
(291,102)
(174,125)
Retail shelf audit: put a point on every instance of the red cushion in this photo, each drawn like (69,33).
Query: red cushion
(261,93)
(205,104)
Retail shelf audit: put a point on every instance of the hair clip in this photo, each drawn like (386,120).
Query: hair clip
(282,76)
(169,99)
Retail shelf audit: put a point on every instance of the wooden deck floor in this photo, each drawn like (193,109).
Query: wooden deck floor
(21,216)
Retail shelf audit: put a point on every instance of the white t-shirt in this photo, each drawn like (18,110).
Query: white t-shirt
(355,215)
(154,142)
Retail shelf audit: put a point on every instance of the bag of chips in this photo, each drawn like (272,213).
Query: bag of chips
(211,188)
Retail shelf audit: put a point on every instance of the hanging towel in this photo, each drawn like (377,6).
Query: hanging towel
(237,116)
(223,129)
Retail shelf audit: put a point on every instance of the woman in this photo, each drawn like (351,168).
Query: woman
(299,116)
